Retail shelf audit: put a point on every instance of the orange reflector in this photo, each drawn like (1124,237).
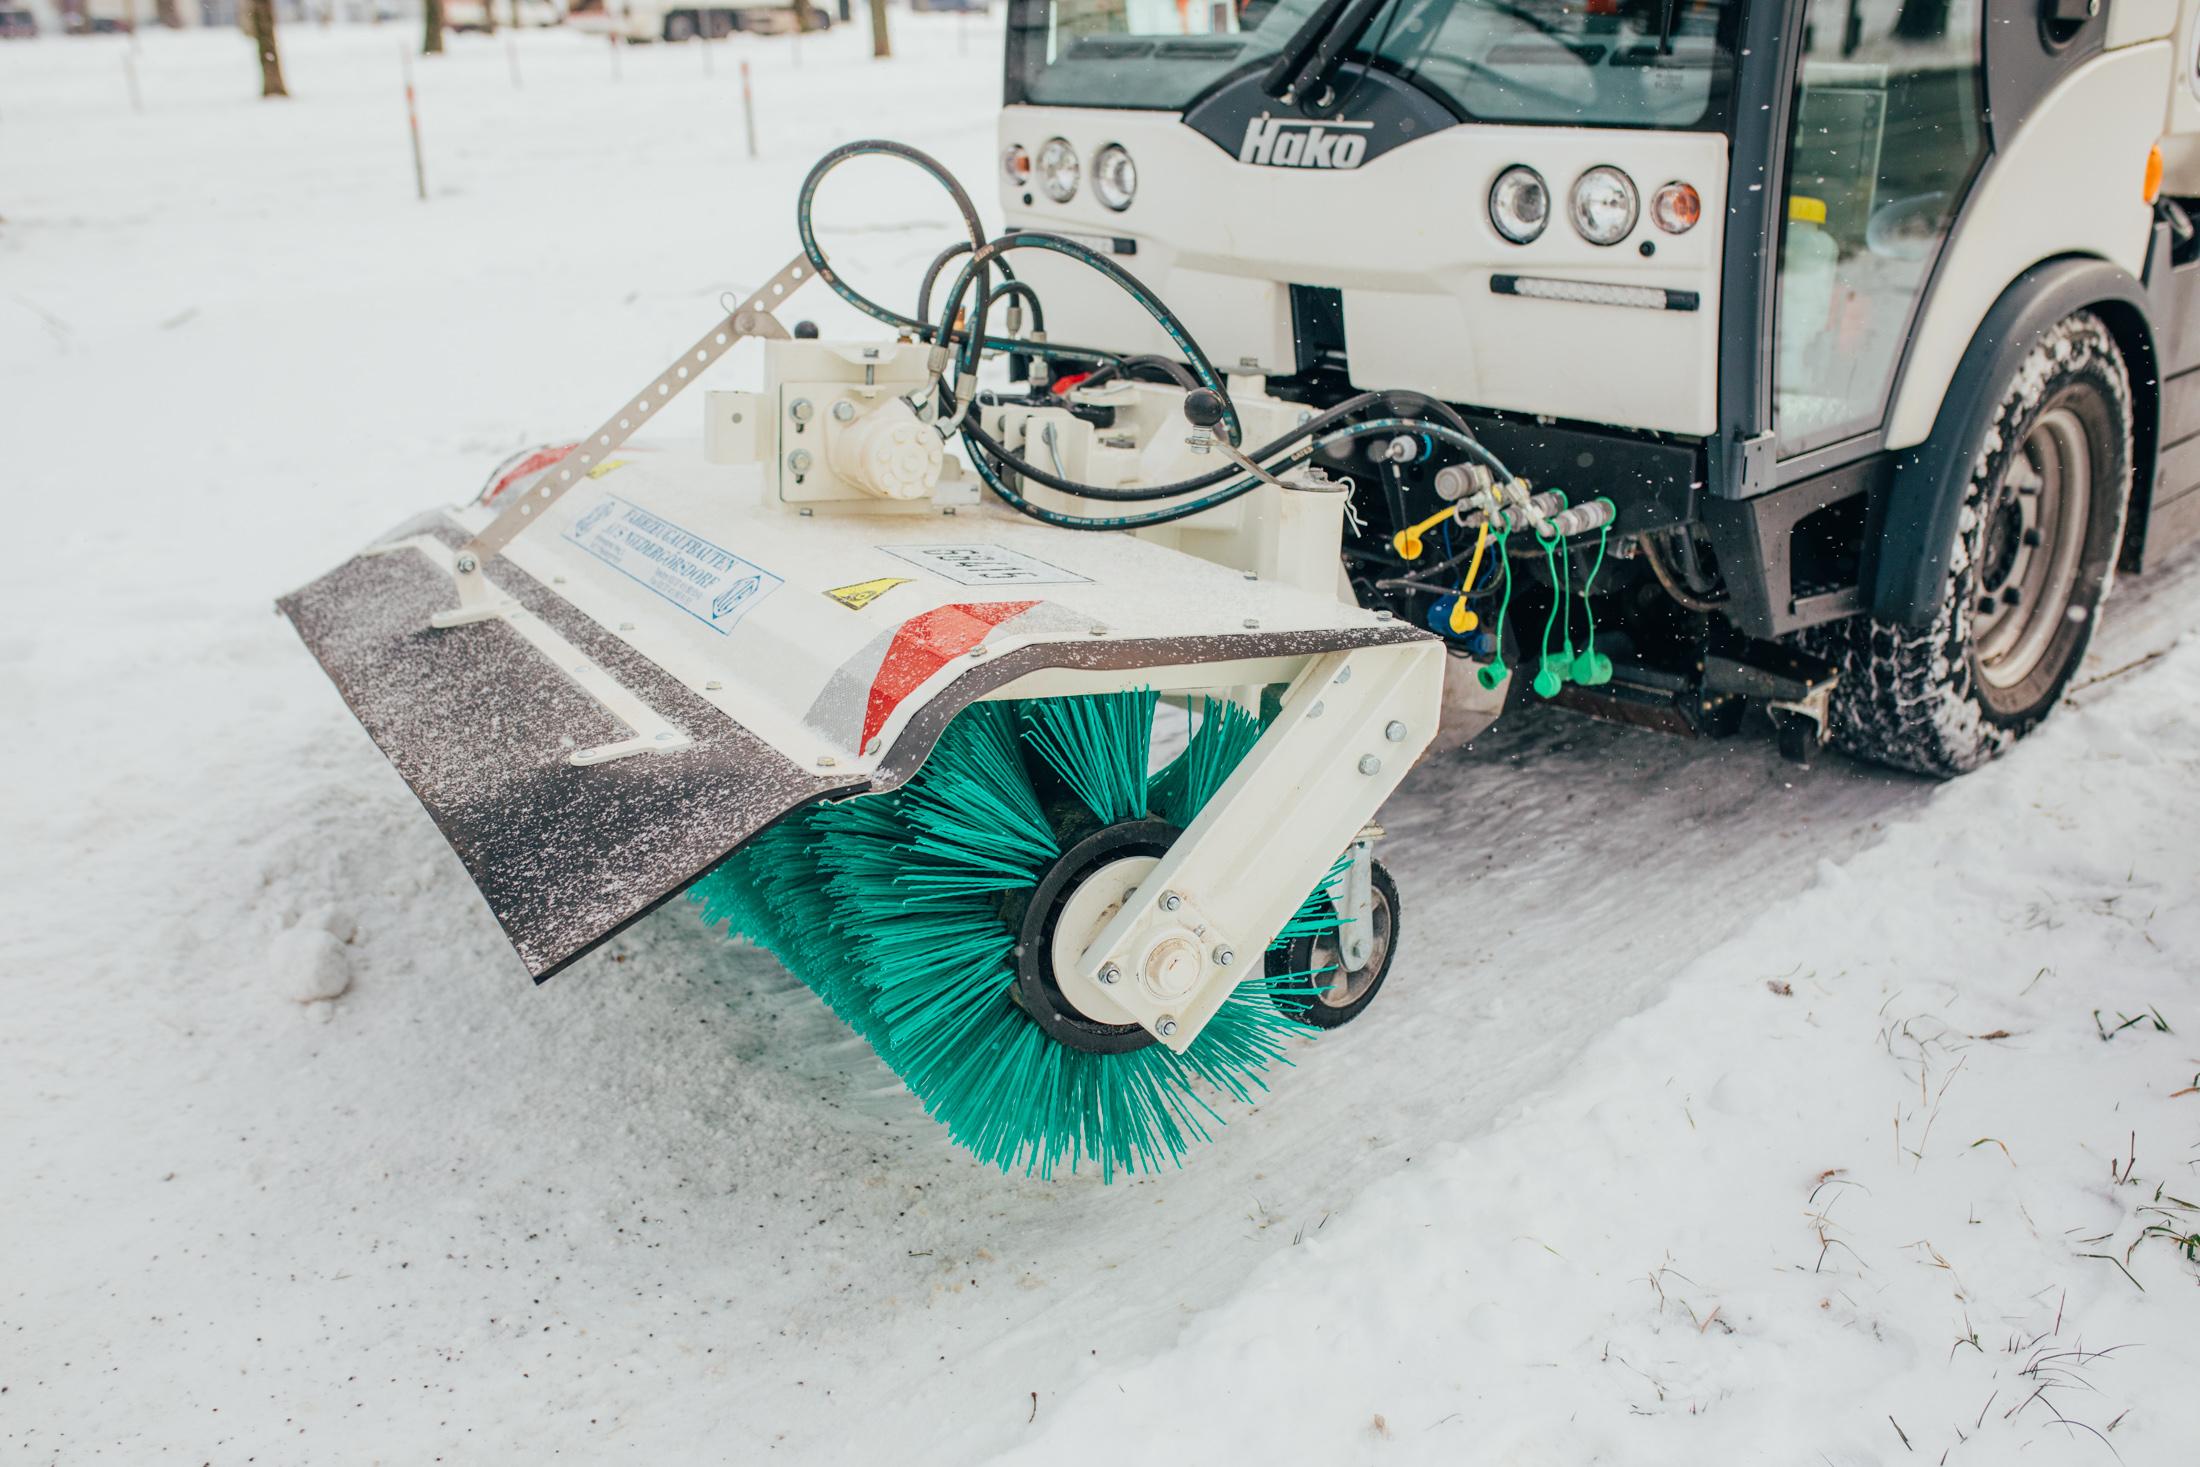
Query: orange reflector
(2153,187)
(1676,207)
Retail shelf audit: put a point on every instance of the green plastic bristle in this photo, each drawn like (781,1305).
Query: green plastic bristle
(1099,745)
(891,907)
(1225,734)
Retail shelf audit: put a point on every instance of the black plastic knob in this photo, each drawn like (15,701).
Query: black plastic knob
(1202,408)
(805,330)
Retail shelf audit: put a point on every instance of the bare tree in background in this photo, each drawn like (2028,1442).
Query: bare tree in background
(880,44)
(261,14)
(489,16)
(801,9)
(431,16)
(168,13)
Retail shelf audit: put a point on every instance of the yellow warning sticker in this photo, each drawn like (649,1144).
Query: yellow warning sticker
(863,593)
(606,467)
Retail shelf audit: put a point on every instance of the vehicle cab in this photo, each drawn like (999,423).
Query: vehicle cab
(1749,270)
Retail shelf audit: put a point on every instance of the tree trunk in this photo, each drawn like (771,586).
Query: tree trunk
(262,15)
(489,16)
(169,13)
(431,17)
(801,9)
(881,45)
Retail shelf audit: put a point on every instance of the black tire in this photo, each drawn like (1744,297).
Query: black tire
(1349,995)
(680,26)
(2035,551)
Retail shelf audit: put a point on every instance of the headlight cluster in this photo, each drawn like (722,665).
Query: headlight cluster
(1604,205)
(1059,172)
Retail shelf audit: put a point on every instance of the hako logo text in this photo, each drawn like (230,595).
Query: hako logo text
(1286,142)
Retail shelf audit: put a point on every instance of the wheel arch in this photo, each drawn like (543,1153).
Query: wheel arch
(1915,532)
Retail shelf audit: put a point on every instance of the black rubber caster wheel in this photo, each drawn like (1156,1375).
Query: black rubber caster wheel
(1343,994)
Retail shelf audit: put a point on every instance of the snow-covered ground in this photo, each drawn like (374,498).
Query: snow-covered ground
(1716,1112)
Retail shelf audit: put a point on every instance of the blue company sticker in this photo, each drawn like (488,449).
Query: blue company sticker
(708,582)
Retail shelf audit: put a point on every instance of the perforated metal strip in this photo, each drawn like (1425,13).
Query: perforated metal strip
(752,318)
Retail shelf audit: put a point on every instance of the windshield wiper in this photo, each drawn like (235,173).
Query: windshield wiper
(1304,64)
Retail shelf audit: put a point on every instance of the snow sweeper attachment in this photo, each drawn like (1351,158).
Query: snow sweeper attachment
(896,718)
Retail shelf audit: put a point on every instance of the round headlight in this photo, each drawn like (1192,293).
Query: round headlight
(1519,204)
(1114,177)
(1058,170)
(1676,207)
(1605,206)
(1016,166)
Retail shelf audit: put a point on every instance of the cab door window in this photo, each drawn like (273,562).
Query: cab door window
(1889,127)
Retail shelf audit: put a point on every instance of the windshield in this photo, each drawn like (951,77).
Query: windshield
(1575,63)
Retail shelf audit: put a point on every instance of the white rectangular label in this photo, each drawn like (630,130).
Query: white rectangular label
(708,582)
(983,565)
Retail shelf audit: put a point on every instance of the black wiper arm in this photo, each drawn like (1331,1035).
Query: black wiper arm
(1313,52)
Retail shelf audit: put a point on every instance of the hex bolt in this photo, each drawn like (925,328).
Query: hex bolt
(2031,538)
(1170,901)
(1110,974)
(1224,957)
(2010,595)
(1369,764)
(1166,1028)
(467,565)
(799,460)
(1394,731)
(844,411)
(800,410)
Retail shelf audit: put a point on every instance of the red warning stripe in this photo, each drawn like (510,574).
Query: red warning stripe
(533,463)
(925,644)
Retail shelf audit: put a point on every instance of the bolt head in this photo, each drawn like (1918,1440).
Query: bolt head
(467,565)
(844,411)
(800,410)
(1170,901)
(800,460)
(1369,764)
(1224,957)
(1166,1028)
(1394,731)
(1111,974)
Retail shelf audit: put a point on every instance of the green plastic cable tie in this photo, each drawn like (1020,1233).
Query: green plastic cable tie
(1495,672)
(1592,668)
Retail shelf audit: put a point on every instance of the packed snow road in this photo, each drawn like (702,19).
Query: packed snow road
(302,1168)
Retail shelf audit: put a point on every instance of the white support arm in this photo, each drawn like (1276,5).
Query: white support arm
(1350,728)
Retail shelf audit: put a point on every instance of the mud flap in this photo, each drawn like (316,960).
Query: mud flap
(484,727)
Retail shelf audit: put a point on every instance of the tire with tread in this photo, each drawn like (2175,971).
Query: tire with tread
(1317,954)
(1913,697)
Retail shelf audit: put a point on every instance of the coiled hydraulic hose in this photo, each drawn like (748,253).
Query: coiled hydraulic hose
(989,455)
(917,326)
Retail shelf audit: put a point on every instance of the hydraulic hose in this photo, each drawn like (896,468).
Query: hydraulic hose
(1409,412)
(1128,283)
(917,326)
